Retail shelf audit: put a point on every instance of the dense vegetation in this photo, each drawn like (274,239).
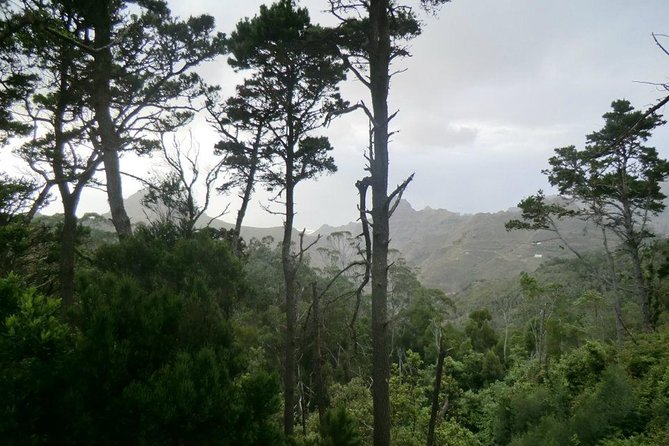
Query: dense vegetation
(177,340)
(176,333)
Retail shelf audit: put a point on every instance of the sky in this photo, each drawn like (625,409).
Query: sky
(491,89)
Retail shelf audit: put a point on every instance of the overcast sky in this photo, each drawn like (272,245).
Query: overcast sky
(492,88)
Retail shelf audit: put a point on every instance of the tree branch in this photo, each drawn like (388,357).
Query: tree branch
(398,192)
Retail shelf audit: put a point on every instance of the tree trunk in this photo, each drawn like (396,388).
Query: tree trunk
(101,98)
(289,271)
(506,333)
(250,182)
(246,197)
(617,306)
(379,61)
(39,201)
(115,193)
(321,390)
(641,290)
(245,202)
(67,249)
(542,338)
(435,397)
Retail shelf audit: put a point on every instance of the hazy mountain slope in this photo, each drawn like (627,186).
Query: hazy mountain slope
(139,214)
(451,251)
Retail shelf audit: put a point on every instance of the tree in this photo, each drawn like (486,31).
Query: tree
(243,147)
(36,349)
(613,182)
(61,125)
(172,196)
(371,33)
(16,198)
(541,304)
(338,429)
(141,61)
(479,330)
(15,81)
(148,356)
(294,84)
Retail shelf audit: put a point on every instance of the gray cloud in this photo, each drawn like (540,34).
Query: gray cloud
(492,87)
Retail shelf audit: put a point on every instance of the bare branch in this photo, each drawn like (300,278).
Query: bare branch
(340,273)
(657,42)
(398,192)
(359,105)
(397,72)
(219,215)
(299,255)
(368,112)
(362,186)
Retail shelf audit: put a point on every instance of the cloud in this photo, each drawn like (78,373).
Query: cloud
(429,132)
(492,87)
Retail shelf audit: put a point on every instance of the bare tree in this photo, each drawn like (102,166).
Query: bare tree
(184,193)
(369,39)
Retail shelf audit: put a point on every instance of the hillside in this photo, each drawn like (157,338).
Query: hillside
(450,251)
(140,214)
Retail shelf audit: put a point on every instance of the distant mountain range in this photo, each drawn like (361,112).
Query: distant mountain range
(450,251)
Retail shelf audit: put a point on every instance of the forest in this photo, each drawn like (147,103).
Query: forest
(174,332)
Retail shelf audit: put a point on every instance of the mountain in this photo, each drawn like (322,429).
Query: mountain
(140,214)
(450,251)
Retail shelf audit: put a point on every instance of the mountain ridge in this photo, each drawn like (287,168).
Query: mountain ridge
(449,250)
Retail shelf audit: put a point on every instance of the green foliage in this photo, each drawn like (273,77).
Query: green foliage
(613,182)
(154,360)
(155,335)
(31,251)
(608,407)
(199,264)
(16,197)
(613,155)
(419,312)
(589,397)
(35,366)
(537,213)
(15,81)
(292,105)
(153,55)
(339,429)
(518,408)
(450,433)
(356,397)
(480,332)
(583,367)
(409,400)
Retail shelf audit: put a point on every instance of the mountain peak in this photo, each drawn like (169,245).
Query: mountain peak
(405,207)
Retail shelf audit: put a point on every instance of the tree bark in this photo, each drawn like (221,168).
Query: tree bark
(39,201)
(246,195)
(245,202)
(641,290)
(379,61)
(321,390)
(67,250)
(111,143)
(617,305)
(289,271)
(250,182)
(435,397)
